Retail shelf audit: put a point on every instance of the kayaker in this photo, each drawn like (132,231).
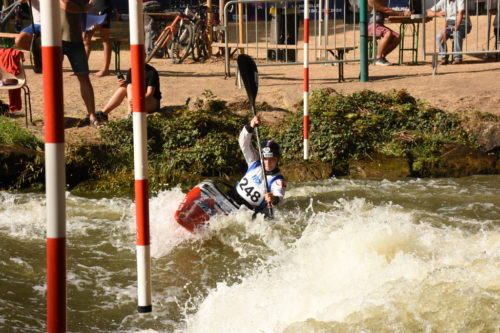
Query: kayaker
(251,191)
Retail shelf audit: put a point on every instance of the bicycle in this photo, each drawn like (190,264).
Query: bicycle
(14,10)
(7,13)
(178,36)
(200,39)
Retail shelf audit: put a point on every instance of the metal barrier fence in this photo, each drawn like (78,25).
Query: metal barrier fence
(478,42)
(269,31)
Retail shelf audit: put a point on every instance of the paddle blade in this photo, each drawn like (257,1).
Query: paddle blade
(249,75)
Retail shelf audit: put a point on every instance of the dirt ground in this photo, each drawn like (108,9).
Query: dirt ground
(474,85)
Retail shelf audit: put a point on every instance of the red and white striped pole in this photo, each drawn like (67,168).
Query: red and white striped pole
(55,179)
(140,156)
(306,79)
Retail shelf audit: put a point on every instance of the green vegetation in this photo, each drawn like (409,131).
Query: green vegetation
(21,159)
(12,134)
(185,146)
(343,127)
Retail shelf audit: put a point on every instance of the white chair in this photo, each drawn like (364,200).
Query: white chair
(21,84)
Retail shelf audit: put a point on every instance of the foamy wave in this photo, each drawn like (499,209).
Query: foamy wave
(358,262)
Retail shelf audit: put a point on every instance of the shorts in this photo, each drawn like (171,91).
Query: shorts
(29,29)
(107,22)
(75,51)
(381,30)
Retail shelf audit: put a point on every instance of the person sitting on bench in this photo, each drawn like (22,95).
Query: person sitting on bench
(389,39)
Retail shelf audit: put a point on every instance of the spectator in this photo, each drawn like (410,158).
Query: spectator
(153,94)
(72,47)
(389,39)
(23,41)
(456,26)
(101,7)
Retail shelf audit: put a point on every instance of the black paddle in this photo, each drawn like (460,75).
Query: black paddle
(250,77)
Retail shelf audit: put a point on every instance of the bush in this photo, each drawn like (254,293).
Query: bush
(12,134)
(347,126)
(186,144)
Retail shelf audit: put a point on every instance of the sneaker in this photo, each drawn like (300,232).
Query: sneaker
(444,61)
(457,61)
(382,62)
(101,116)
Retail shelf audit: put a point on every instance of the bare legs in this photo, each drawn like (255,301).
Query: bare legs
(115,100)
(106,46)
(120,94)
(386,44)
(87,92)
(23,41)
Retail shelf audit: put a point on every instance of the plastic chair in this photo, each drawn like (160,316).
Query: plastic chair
(21,84)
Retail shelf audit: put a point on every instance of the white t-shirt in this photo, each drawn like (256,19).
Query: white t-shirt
(35,8)
(452,7)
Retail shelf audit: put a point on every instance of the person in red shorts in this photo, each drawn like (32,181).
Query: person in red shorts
(389,39)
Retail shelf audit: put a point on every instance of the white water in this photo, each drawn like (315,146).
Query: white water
(343,256)
(362,264)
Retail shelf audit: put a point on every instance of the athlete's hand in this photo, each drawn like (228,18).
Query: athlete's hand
(269,197)
(254,122)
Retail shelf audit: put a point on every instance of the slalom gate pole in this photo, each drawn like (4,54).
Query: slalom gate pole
(327,13)
(306,80)
(55,179)
(137,55)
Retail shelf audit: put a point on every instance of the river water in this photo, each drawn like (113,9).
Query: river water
(417,255)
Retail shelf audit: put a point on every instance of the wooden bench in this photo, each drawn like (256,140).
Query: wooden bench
(336,52)
(7,41)
(116,44)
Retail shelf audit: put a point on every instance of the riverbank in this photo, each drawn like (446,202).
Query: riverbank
(466,88)
(346,130)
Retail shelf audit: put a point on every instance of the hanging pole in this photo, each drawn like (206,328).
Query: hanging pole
(325,22)
(209,18)
(55,180)
(320,22)
(306,80)
(140,156)
(241,29)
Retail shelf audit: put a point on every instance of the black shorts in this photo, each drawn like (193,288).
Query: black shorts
(107,22)
(75,51)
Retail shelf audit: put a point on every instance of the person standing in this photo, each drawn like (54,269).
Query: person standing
(73,48)
(101,7)
(456,26)
(389,39)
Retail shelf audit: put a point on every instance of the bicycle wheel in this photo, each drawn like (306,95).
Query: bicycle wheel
(200,44)
(157,45)
(181,43)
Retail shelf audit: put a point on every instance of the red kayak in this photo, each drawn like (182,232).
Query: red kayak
(205,200)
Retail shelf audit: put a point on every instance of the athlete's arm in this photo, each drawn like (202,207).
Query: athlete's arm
(245,140)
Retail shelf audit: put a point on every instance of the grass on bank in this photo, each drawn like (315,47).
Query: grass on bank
(186,146)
